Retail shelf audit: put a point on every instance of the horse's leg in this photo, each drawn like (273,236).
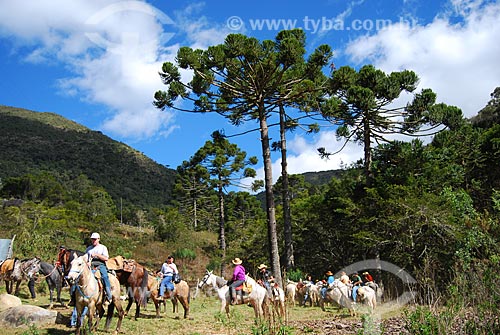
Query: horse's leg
(18,283)
(129,304)
(109,315)
(58,291)
(8,286)
(118,304)
(175,304)
(137,309)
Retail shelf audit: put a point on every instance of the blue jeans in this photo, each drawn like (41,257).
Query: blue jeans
(166,283)
(355,292)
(104,276)
(323,292)
(232,287)
(74,316)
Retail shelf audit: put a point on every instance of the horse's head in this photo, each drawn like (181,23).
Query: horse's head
(206,280)
(77,267)
(31,267)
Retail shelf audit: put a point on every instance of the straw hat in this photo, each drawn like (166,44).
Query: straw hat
(262,266)
(329,273)
(237,261)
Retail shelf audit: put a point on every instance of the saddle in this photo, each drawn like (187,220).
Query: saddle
(244,288)
(7,265)
(119,263)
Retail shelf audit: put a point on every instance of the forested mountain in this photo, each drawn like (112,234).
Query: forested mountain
(31,142)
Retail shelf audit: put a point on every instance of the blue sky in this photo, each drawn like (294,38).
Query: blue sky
(96,61)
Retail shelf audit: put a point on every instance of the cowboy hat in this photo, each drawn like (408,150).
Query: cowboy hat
(329,273)
(237,261)
(262,266)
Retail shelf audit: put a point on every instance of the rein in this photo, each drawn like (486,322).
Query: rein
(79,287)
(42,277)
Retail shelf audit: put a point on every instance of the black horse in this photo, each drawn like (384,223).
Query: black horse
(53,279)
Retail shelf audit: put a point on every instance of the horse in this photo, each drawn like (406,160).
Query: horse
(338,293)
(52,278)
(290,292)
(90,293)
(367,295)
(180,293)
(65,257)
(257,297)
(277,299)
(6,269)
(134,277)
(19,271)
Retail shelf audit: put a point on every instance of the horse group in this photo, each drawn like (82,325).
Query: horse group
(132,275)
(250,293)
(338,293)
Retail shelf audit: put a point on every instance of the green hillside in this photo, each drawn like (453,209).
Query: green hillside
(31,142)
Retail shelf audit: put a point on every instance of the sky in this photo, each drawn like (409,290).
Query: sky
(96,62)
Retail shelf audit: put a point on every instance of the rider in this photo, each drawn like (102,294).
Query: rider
(356,283)
(329,281)
(237,279)
(367,277)
(265,277)
(98,255)
(308,282)
(168,269)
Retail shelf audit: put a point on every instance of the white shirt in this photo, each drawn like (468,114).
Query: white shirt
(99,249)
(168,269)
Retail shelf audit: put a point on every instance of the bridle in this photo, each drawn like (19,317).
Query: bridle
(77,279)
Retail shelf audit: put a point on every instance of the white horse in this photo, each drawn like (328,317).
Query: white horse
(338,293)
(257,296)
(278,300)
(367,295)
(290,291)
(89,294)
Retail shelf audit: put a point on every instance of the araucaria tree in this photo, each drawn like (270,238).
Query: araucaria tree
(224,164)
(363,104)
(247,80)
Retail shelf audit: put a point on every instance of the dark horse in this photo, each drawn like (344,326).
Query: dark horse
(53,279)
(134,277)
(64,259)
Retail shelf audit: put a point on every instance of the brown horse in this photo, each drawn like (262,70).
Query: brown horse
(64,259)
(90,294)
(10,273)
(180,293)
(134,277)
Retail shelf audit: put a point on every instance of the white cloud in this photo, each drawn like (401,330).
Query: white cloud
(458,61)
(113,51)
(303,155)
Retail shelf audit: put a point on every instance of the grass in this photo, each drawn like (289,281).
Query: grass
(205,319)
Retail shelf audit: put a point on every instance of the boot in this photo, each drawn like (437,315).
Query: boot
(233,299)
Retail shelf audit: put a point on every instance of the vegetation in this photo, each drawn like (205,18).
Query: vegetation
(433,209)
(32,142)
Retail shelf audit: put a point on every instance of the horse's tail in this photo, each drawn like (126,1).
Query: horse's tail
(144,288)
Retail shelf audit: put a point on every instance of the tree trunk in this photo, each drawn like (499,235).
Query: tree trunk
(367,149)
(287,216)
(222,235)
(195,213)
(272,234)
